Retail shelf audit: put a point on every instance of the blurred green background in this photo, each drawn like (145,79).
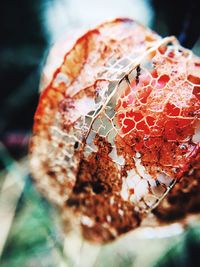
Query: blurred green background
(30,233)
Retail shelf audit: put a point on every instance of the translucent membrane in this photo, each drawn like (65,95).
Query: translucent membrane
(117,127)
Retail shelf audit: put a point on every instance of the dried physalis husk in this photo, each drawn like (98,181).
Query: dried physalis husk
(117,128)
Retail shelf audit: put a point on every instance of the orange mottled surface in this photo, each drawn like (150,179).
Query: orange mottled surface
(117,128)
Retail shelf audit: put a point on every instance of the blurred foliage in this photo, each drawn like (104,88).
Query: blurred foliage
(186,253)
(35,238)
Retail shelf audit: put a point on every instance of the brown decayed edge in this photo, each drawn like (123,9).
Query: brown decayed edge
(184,198)
(108,170)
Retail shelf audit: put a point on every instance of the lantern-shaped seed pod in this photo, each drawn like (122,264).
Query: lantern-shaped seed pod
(117,127)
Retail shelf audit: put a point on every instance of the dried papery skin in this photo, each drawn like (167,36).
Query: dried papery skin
(117,127)
(55,112)
(184,198)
